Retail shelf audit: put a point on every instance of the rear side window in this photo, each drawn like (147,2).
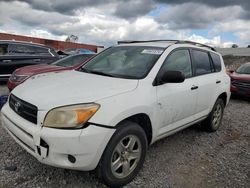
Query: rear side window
(22,49)
(216,62)
(201,62)
(42,51)
(19,49)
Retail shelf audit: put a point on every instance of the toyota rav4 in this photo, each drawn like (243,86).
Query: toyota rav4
(105,115)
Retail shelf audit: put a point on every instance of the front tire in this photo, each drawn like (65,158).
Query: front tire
(124,155)
(213,121)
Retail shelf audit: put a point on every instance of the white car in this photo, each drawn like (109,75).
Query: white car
(105,116)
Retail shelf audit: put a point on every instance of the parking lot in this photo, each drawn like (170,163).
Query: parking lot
(190,158)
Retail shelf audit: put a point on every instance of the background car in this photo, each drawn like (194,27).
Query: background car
(3,100)
(240,80)
(67,63)
(14,54)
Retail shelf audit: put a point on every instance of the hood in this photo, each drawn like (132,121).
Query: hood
(70,87)
(38,69)
(238,76)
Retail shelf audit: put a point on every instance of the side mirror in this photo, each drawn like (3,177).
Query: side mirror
(172,77)
(231,71)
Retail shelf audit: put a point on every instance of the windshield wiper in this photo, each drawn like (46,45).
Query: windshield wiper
(97,72)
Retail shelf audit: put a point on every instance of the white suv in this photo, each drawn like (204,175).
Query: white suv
(104,116)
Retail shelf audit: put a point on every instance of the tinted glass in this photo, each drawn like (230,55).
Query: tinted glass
(3,49)
(179,61)
(132,62)
(42,51)
(216,61)
(201,62)
(70,61)
(23,49)
(20,49)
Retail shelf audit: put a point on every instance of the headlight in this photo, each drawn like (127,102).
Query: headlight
(18,78)
(70,116)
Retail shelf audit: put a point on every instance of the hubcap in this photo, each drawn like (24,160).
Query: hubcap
(217,116)
(126,156)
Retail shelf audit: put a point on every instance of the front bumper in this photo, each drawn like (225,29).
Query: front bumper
(240,91)
(4,77)
(53,146)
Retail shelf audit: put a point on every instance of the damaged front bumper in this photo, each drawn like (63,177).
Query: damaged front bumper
(79,149)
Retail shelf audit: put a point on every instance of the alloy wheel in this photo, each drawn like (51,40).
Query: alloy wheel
(126,156)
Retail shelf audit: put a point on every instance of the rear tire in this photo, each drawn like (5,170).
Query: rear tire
(213,121)
(124,155)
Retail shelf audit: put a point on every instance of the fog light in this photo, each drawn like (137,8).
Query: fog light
(71,158)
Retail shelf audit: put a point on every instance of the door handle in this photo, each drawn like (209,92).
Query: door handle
(218,81)
(37,60)
(6,60)
(194,87)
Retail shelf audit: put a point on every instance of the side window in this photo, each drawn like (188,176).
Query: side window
(179,61)
(20,49)
(3,49)
(216,61)
(42,51)
(201,62)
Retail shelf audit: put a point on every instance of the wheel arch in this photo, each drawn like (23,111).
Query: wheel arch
(223,96)
(143,120)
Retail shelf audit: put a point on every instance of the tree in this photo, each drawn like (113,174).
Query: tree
(234,46)
(71,38)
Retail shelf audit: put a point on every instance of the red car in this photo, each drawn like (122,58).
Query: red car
(240,80)
(72,62)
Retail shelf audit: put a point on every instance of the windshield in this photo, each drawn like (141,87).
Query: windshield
(133,62)
(71,61)
(244,69)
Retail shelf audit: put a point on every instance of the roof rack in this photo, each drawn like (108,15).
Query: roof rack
(142,41)
(171,41)
(196,44)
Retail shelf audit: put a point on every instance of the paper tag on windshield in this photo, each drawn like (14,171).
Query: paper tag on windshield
(152,51)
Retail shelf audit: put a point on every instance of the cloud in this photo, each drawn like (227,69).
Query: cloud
(65,7)
(23,13)
(215,41)
(105,22)
(195,16)
(240,28)
(212,3)
(134,8)
(124,9)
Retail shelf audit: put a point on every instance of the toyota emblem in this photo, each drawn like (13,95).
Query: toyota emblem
(17,106)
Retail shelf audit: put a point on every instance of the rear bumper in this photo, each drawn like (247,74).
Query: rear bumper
(53,146)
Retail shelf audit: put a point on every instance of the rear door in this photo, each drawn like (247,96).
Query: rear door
(206,80)
(20,55)
(46,55)
(4,60)
(216,60)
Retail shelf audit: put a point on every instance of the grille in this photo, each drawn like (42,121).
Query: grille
(241,84)
(24,109)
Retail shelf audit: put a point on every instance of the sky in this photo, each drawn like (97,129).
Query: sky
(219,23)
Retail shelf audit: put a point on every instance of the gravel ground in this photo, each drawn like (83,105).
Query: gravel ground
(191,158)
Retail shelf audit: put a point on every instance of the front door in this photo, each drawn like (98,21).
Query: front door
(176,101)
